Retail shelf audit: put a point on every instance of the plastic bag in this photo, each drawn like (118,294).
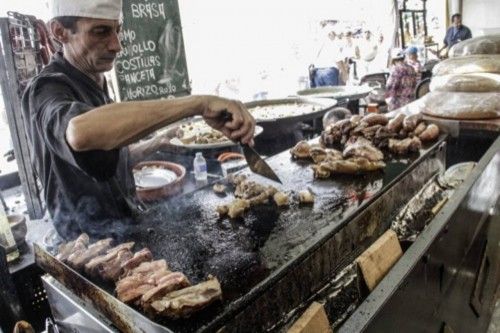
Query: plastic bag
(475,82)
(468,64)
(489,44)
(462,105)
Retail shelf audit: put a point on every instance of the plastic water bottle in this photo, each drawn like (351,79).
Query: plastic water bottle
(200,167)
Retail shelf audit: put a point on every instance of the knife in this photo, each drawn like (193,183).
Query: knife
(254,161)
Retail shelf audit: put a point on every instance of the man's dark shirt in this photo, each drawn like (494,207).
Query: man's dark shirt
(454,35)
(84,191)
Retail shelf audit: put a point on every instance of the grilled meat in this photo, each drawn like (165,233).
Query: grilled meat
(430,133)
(138,258)
(66,249)
(141,279)
(131,295)
(320,171)
(182,303)
(306,197)
(411,122)
(171,282)
(236,179)
(353,165)
(375,119)
(79,258)
(361,147)
(280,198)
(219,188)
(301,150)
(109,266)
(396,123)
(237,208)
(404,146)
(419,129)
(222,210)
(147,267)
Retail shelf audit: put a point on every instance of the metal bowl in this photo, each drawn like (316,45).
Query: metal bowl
(158,179)
(321,106)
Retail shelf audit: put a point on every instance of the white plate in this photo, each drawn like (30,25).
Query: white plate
(228,143)
(154,177)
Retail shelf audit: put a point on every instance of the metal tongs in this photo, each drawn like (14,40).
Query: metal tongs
(256,163)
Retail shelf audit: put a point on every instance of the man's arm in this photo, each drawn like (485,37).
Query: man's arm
(116,125)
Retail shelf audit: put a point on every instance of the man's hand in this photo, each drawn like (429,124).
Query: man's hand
(240,128)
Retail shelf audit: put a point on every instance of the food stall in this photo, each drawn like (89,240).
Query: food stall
(252,254)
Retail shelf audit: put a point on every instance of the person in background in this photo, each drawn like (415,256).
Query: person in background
(456,33)
(412,60)
(402,81)
(367,52)
(350,52)
(325,71)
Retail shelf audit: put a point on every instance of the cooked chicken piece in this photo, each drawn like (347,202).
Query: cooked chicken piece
(361,147)
(259,199)
(222,210)
(430,133)
(78,259)
(237,208)
(375,119)
(306,197)
(236,179)
(411,122)
(404,146)
(281,199)
(248,189)
(219,188)
(320,172)
(183,302)
(396,123)
(138,258)
(419,129)
(79,244)
(171,282)
(301,150)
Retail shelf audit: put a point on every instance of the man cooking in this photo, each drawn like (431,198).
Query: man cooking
(79,138)
(456,33)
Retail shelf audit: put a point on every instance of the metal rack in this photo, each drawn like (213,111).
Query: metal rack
(21,60)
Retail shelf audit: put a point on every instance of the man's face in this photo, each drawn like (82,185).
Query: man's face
(457,21)
(94,45)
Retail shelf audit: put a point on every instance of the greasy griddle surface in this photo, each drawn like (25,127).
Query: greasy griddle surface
(187,232)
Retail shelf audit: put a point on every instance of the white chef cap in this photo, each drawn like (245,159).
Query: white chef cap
(100,9)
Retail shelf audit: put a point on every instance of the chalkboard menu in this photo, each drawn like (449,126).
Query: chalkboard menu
(152,63)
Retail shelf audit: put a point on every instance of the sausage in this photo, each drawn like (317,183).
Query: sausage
(375,119)
(430,133)
(420,128)
(396,123)
(411,122)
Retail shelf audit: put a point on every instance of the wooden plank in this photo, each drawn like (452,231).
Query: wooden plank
(378,259)
(313,320)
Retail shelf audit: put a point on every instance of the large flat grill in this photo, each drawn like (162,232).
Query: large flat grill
(272,260)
